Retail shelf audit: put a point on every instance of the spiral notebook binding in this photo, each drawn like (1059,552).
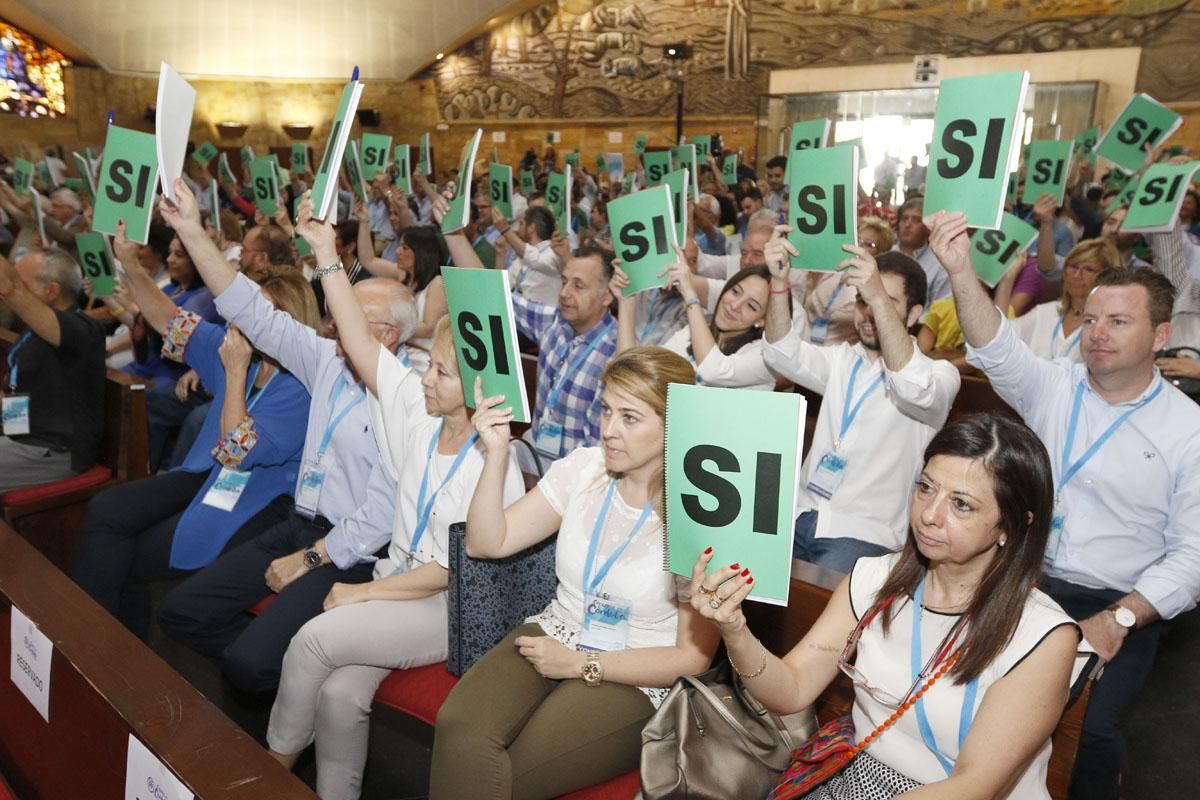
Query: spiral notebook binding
(666,539)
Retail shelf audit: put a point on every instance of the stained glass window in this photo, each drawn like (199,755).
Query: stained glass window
(31,75)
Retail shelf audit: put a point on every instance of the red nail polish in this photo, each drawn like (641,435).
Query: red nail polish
(708,552)
(749,581)
(745,572)
(734,566)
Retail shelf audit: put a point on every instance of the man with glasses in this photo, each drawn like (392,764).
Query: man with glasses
(883,402)
(344,499)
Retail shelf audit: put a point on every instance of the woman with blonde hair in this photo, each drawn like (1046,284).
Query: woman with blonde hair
(560,703)
(1052,330)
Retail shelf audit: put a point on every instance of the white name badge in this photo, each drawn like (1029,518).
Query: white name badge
(308,493)
(548,439)
(32,653)
(147,778)
(16,414)
(819,331)
(605,623)
(828,476)
(226,489)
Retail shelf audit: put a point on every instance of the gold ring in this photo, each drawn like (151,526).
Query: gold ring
(702,589)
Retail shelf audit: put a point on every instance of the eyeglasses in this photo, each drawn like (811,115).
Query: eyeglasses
(882,696)
(868,244)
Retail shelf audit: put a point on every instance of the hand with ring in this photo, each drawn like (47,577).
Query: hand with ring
(718,595)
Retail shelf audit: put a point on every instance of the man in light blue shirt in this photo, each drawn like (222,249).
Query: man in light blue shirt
(1124,546)
(912,239)
(344,498)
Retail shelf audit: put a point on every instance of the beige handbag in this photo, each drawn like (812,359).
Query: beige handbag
(710,740)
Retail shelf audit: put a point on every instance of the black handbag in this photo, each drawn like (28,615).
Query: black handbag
(1189,386)
(710,740)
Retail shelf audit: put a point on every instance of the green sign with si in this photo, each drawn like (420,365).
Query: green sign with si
(127,180)
(96,263)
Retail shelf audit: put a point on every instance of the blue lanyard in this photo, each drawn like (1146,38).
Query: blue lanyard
(12,359)
(651,314)
(850,412)
(1068,469)
(1070,344)
(564,375)
(965,716)
(250,387)
(336,420)
(832,299)
(590,584)
(425,509)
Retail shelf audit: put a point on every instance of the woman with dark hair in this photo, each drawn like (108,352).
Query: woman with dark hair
(961,666)
(726,351)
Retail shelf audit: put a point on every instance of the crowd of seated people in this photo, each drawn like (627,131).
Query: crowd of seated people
(312,439)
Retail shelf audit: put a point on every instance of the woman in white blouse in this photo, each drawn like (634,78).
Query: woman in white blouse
(560,703)
(725,352)
(398,620)
(1052,330)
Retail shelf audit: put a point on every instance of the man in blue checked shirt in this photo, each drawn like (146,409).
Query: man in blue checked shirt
(344,499)
(575,342)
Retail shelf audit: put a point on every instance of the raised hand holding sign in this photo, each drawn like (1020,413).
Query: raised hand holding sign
(205,153)
(426,157)
(266,190)
(127,180)
(975,139)
(325,180)
(460,211)
(403,168)
(993,251)
(1047,170)
(172,124)
(500,186)
(375,149)
(643,226)
(732,486)
(823,213)
(22,176)
(808,135)
(95,259)
(684,157)
(1159,196)
(558,198)
(1144,121)
(658,164)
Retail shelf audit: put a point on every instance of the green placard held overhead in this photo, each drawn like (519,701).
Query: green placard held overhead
(400,154)
(353,167)
(644,236)
(87,171)
(558,198)
(658,164)
(528,186)
(703,146)
(205,153)
(993,251)
(572,159)
(302,247)
(1143,121)
(299,157)
(485,336)
(247,155)
(224,172)
(266,188)
(810,134)
(214,204)
(1155,206)
(729,170)
(127,180)
(77,185)
(677,181)
(43,173)
(684,157)
(1046,170)
(1085,144)
(1125,195)
(460,205)
(975,140)
(22,176)
(731,486)
(426,156)
(325,180)
(375,150)
(601,164)
(500,184)
(823,211)
(639,144)
(96,263)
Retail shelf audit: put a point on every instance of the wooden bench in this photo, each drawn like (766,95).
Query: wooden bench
(781,628)
(104,685)
(51,514)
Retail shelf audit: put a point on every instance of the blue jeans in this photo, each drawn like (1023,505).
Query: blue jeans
(1102,752)
(836,553)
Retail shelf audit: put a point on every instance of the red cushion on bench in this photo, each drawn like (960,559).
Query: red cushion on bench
(418,692)
(96,476)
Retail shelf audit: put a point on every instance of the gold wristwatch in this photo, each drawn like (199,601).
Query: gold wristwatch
(592,672)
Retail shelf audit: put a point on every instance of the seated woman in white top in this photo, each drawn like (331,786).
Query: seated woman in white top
(560,703)
(728,350)
(955,613)
(398,620)
(1052,330)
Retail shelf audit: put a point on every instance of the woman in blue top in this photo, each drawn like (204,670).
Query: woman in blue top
(236,480)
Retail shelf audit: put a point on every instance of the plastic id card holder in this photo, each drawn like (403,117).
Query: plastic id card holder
(819,331)
(605,623)
(548,438)
(226,489)
(16,414)
(828,476)
(308,492)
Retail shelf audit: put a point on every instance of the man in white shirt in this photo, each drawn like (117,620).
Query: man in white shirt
(537,271)
(912,239)
(883,402)
(1124,546)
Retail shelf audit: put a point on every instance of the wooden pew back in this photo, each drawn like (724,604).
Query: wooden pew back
(104,685)
(781,628)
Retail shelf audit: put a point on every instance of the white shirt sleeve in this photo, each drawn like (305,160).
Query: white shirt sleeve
(924,388)
(743,369)
(797,360)
(392,412)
